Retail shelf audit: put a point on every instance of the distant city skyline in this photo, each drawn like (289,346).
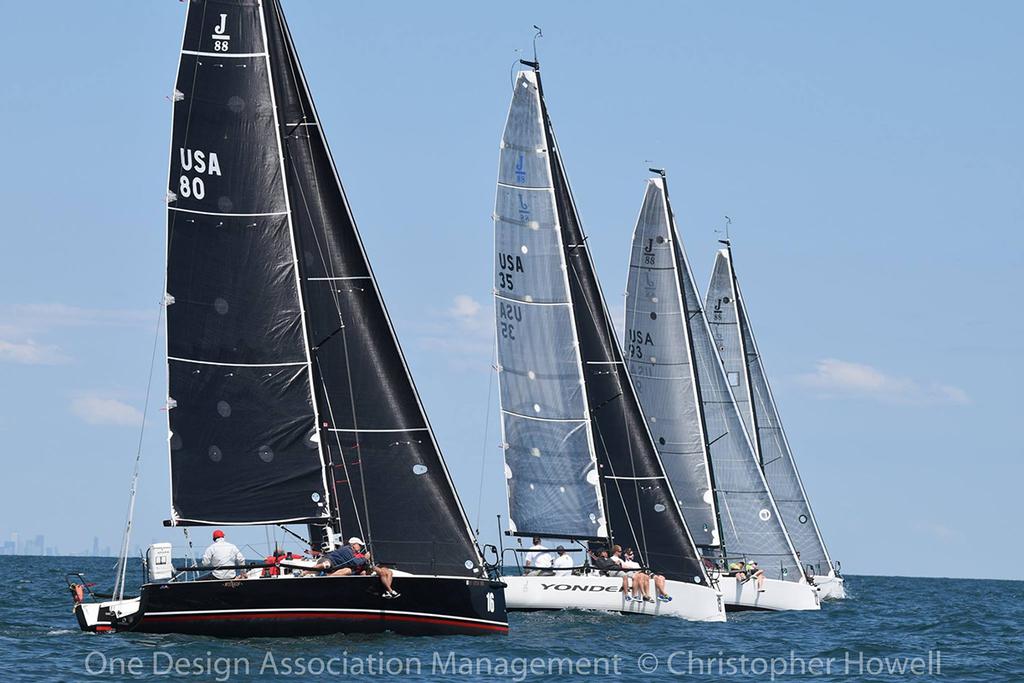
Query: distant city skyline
(36,545)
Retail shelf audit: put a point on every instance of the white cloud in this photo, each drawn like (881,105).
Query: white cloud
(833,377)
(464,306)
(22,324)
(464,332)
(29,352)
(98,410)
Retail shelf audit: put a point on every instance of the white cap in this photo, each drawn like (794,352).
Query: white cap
(355,539)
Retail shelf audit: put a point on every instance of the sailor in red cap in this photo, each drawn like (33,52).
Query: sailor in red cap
(223,555)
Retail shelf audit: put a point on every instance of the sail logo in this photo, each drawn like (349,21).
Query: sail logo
(596,588)
(199,162)
(221,40)
(524,209)
(508,264)
(520,168)
(508,316)
(638,339)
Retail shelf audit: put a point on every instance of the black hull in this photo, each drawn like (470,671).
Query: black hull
(308,606)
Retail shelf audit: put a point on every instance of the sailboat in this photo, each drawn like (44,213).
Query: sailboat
(580,465)
(692,415)
(734,337)
(290,402)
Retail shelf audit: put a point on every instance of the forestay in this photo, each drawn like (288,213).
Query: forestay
(734,338)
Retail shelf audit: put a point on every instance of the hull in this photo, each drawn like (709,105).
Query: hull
(294,606)
(604,593)
(777,595)
(830,587)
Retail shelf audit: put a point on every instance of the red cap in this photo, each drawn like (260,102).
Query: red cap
(218,534)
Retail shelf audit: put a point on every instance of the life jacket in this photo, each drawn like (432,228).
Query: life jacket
(735,566)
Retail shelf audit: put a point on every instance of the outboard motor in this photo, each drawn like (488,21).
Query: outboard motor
(159,566)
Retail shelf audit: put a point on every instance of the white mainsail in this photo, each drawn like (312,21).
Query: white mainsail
(741,360)
(550,467)
(749,524)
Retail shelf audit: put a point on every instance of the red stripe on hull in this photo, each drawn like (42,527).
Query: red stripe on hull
(328,615)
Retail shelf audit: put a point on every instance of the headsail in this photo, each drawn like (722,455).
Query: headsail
(734,337)
(385,477)
(749,522)
(632,485)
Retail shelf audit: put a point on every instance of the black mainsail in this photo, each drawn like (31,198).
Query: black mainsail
(632,495)
(291,399)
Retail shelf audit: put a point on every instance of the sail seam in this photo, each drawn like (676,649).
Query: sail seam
(580,420)
(197,53)
(237,215)
(532,303)
(378,431)
(235,365)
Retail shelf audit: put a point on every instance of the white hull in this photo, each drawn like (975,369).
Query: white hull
(830,587)
(100,616)
(777,595)
(604,593)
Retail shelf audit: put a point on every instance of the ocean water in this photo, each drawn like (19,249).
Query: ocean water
(890,629)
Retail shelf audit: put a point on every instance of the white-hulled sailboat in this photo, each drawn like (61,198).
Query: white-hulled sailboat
(730,325)
(692,415)
(580,463)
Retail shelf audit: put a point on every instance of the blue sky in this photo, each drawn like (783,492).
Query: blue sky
(869,155)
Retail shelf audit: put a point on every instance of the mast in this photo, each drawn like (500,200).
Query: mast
(745,354)
(687,315)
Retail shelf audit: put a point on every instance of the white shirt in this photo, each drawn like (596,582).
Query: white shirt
(532,557)
(223,553)
(543,561)
(563,564)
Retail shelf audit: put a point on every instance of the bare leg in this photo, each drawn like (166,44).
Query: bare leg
(384,574)
(760,580)
(659,584)
(344,571)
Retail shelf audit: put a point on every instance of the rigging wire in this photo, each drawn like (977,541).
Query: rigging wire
(126,539)
(487,431)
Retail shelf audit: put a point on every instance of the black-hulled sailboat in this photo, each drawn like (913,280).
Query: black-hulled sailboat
(289,398)
(727,314)
(687,399)
(580,464)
